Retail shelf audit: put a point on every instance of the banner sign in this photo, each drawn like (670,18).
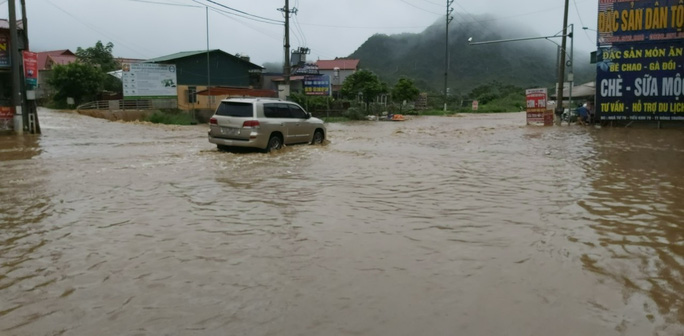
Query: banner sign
(634,21)
(6,118)
(149,81)
(640,82)
(536,107)
(4,50)
(30,69)
(318,85)
(475,105)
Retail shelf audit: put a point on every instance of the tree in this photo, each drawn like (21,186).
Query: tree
(364,82)
(100,55)
(404,90)
(77,80)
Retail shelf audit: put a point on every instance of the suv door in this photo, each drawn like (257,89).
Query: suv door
(277,118)
(301,129)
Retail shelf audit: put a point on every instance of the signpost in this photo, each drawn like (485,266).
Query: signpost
(537,114)
(149,81)
(639,60)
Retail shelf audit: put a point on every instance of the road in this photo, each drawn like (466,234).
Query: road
(469,225)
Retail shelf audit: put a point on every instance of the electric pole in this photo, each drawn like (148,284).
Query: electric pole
(286,67)
(449,18)
(561,68)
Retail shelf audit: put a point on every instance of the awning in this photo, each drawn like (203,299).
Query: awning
(585,90)
(237,92)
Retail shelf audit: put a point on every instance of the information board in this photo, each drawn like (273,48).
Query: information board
(636,21)
(317,85)
(149,81)
(537,114)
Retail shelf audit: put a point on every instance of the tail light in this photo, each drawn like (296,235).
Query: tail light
(213,121)
(250,123)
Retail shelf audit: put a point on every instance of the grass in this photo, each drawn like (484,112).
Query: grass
(335,119)
(171,118)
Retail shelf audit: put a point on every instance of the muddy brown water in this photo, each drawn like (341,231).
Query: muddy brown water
(472,225)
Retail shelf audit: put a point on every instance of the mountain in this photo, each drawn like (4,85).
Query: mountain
(421,57)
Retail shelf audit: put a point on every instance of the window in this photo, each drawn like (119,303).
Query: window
(192,94)
(276,111)
(232,109)
(297,112)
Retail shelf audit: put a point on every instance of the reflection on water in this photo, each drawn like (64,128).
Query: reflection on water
(471,225)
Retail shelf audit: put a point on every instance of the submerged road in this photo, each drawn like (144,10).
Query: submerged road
(470,225)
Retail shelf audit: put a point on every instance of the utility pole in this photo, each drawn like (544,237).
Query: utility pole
(31,113)
(16,69)
(449,18)
(286,67)
(561,68)
(208,63)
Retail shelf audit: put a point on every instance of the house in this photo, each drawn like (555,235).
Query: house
(194,76)
(338,70)
(46,61)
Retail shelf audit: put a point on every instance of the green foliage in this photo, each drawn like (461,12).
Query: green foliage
(77,80)
(404,90)
(100,55)
(171,118)
(364,82)
(354,113)
(497,97)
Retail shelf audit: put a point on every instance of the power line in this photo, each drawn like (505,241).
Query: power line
(165,3)
(136,49)
(581,22)
(423,9)
(244,13)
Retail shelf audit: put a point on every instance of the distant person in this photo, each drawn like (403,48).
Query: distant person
(584,114)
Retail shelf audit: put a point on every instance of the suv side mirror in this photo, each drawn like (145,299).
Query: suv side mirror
(308,115)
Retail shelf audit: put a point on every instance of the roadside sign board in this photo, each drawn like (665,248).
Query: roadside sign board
(30,69)
(6,118)
(4,50)
(317,85)
(475,105)
(537,114)
(149,81)
(640,60)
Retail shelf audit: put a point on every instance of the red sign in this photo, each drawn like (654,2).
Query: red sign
(475,103)
(536,106)
(6,112)
(31,68)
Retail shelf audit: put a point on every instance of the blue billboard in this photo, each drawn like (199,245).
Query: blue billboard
(317,85)
(640,60)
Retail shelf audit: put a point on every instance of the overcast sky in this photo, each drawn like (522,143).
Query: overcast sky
(330,28)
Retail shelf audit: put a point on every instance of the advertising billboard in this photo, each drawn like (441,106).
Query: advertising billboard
(642,82)
(639,60)
(635,21)
(4,50)
(317,85)
(6,118)
(536,107)
(30,69)
(149,81)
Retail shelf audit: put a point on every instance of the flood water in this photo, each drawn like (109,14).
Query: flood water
(471,225)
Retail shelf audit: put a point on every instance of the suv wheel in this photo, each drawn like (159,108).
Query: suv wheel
(317,138)
(274,143)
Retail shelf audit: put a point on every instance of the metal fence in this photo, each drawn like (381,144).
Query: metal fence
(129,104)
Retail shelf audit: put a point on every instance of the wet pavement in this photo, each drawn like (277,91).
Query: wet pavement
(471,225)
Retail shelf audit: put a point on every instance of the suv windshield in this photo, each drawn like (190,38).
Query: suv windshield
(232,109)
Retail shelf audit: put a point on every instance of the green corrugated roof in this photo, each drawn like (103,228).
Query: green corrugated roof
(178,55)
(184,54)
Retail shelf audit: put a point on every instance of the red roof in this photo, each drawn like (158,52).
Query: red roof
(343,64)
(43,57)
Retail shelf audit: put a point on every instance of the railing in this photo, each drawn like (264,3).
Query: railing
(126,104)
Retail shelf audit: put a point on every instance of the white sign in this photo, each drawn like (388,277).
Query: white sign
(149,81)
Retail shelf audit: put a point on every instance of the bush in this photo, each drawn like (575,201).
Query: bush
(355,113)
(172,118)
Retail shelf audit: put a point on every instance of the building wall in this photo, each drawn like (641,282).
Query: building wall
(337,81)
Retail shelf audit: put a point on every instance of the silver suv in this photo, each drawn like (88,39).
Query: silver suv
(263,123)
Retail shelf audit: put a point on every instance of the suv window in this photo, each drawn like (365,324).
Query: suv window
(233,109)
(276,111)
(297,112)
